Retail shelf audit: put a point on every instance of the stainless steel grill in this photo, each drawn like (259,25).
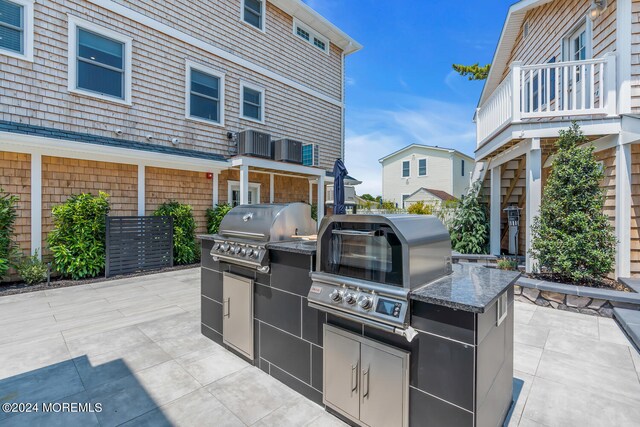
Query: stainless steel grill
(367,265)
(246,229)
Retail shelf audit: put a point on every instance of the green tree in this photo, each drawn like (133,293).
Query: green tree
(473,72)
(469,227)
(185,246)
(8,216)
(572,237)
(368,197)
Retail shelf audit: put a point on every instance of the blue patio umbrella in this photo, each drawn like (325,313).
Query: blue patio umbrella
(339,173)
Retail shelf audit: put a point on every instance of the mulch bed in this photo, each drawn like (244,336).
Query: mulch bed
(13,288)
(604,283)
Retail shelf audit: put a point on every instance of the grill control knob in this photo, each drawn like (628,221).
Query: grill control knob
(256,254)
(249,252)
(336,296)
(243,251)
(235,249)
(224,247)
(350,298)
(365,302)
(216,246)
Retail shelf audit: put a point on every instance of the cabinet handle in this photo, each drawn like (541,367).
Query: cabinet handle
(354,377)
(365,383)
(226,303)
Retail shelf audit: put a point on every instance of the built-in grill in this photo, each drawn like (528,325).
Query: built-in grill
(367,265)
(246,229)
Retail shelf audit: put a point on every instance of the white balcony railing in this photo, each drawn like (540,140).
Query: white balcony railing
(546,91)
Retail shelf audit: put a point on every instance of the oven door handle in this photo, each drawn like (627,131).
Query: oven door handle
(226,302)
(371,233)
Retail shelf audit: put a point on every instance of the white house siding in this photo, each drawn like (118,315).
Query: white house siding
(635,56)
(36,92)
(441,174)
(461,182)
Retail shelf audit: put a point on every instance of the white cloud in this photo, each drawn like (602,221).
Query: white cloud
(372,134)
(349,81)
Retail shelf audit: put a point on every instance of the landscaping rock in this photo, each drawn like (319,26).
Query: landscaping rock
(554,304)
(553,296)
(542,302)
(606,312)
(576,301)
(588,311)
(531,294)
(597,303)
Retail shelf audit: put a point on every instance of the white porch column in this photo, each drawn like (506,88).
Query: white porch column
(496,204)
(271,188)
(623,209)
(142,209)
(215,190)
(310,192)
(36,204)
(244,185)
(534,194)
(320,199)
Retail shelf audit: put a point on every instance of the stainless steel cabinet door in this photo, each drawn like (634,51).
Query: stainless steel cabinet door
(383,387)
(341,368)
(237,313)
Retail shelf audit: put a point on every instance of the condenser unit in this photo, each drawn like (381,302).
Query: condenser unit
(254,143)
(287,150)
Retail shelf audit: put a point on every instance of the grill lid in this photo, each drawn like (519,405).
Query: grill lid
(268,222)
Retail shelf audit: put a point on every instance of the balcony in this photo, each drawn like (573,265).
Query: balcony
(543,92)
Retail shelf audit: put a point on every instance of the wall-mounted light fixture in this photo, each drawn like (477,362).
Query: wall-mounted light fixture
(149,137)
(597,6)
(175,141)
(117,131)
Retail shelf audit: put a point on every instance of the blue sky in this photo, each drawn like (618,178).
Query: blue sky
(400,87)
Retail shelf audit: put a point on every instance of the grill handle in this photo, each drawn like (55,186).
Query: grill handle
(243,234)
(354,233)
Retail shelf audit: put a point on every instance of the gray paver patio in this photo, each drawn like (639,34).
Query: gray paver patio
(134,345)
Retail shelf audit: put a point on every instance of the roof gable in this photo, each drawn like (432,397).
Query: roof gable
(442,195)
(423,146)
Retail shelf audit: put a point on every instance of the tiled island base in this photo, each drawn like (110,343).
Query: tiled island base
(461,362)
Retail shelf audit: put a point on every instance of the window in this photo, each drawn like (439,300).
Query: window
(204,94)
(462,166)
(16,28)
(313,38)
(99,61)
(253,13)
(404,201)
(233,193)
(310,155)
(252,102)
(406,169)
(422,167)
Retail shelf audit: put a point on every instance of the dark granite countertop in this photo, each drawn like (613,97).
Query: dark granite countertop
(304,247)
(470,287)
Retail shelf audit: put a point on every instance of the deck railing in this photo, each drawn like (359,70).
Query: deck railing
(547,91)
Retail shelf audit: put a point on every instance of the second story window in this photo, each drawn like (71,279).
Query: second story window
(462,167)
(310,155)
(307,34)
(16,23)
(253,13)
(422,167)
(205,94)
(406,169)
(252,102)
(99,61)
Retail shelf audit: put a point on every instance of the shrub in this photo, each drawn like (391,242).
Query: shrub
(185,248)
(8,217)
(215,215)
(78,238)
(469,227)
(505,263)
(314,212)
(420,208)
(572,237)
(32,269)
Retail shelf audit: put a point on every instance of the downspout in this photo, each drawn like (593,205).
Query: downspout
(342,108)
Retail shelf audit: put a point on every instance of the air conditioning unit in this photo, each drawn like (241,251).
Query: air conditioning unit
(287,150)
(254,143)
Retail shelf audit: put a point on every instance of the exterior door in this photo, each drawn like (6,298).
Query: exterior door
(578,51)
(383,387)
(237,313)
(341,372)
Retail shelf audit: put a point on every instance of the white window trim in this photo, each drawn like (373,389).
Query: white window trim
(27,31)
(403,200)
(402,169)
(263,99)
(565,46)
(189,65)
(235,185)
(74,23)
(263,11)
(313,154)
(312,33)
(426,166)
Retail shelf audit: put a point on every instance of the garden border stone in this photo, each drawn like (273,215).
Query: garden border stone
(579,299)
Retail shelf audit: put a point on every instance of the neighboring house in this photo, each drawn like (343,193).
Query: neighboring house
(429,196)
(559,61)
(420,166)
(144,100)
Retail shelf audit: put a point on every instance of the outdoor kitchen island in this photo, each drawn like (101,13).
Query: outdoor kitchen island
(457,370)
